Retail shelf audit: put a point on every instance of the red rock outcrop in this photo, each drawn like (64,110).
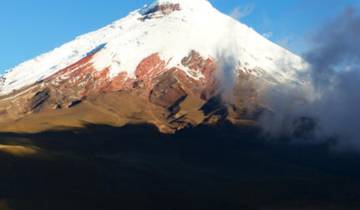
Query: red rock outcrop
(162,87)
(160,10)
(207,68)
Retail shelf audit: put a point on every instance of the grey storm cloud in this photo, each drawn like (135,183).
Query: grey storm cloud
(332,100)
(335,69)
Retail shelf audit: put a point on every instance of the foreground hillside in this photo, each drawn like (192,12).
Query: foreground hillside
(137,167)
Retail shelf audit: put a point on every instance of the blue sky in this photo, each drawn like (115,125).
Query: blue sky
(31,27)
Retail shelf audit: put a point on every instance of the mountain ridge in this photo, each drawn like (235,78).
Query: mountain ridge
(176,57)
(49,63)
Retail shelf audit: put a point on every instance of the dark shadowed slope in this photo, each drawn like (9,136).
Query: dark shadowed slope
(136,167)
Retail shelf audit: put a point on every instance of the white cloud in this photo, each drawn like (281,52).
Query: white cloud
(285,41)
(267,35)
(242,11)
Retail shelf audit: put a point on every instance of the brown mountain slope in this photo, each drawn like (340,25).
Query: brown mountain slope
(168,98)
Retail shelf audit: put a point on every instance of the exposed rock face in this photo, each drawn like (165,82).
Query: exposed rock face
(74,103)
(207,68)
(38,100)
(2,80)
(169,8)
(174,97)
(215,110)
(167,92)
(148,69)
(80,80)
(160,10)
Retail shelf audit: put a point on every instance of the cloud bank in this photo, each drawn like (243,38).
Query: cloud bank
(335,69)
(332,106)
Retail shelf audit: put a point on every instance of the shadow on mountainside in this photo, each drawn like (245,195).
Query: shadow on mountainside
(136,167)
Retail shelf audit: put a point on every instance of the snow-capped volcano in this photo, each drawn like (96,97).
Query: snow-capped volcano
(167,52)
(172,30)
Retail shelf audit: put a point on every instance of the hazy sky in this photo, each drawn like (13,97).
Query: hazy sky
(31,27)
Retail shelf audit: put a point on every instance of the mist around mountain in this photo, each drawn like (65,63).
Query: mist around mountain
(178,106)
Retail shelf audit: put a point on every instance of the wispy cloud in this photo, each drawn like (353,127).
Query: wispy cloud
(240,12)
(285,41)
(267,35)
(294,42)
